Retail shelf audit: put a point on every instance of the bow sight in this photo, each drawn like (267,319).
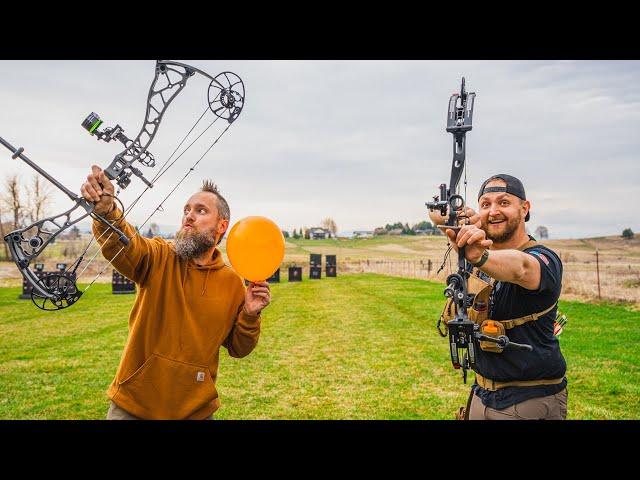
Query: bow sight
(448,212)
(91,124)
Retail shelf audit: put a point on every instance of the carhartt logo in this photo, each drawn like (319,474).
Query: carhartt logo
(200,377)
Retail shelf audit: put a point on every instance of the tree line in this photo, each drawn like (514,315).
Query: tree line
(404,229)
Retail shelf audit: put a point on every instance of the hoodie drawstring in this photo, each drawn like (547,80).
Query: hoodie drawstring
(204,286)
(184,275)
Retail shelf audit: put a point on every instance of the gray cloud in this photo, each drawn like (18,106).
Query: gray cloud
(363,142)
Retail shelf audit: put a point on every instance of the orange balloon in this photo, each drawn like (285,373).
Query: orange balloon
(255,247)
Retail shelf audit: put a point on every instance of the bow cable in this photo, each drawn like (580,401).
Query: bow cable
(159,207)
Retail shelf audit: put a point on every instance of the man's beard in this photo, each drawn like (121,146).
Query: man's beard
(510,230)
(190,245)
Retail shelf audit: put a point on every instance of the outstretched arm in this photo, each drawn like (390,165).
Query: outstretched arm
(134,260)
(511,266)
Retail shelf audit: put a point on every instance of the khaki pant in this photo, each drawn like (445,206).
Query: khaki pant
(551,407)
(117,413)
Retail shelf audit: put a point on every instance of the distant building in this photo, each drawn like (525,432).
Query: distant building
(319,233)
(541,232)
(363,233)
(395,231)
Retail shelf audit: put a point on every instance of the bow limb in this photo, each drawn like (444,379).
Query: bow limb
(46,230)
(26,244)
(167,84)
(226,100)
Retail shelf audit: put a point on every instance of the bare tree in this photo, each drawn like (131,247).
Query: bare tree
(11,199)
(38,197)
(330,225)
(2,234)
(152,231)
(542,232)
(155,229)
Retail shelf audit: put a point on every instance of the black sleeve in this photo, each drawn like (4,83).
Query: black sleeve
(550,272)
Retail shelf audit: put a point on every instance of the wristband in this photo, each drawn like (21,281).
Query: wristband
(483,259)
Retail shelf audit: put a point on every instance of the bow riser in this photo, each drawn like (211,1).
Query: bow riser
(450,205)
(459,122)
(161,93)
(25,248)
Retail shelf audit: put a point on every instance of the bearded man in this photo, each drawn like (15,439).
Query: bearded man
(189,304)
(515,384)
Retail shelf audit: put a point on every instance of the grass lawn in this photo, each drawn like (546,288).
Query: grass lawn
(352,347)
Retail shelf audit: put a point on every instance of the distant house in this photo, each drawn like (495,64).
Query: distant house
(541,232)
(362,234)
(395,231)
(319,233)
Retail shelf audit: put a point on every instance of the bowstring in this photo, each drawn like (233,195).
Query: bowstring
(447,254)
(81,256)
(154,179)
(159,207)
(125,211)
(161,172)
(466,164)
(128,209)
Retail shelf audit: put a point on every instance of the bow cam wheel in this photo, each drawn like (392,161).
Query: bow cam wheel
(226,96)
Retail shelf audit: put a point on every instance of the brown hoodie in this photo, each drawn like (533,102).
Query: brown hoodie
(182,314)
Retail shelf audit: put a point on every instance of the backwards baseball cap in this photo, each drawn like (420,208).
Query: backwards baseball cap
(514,187)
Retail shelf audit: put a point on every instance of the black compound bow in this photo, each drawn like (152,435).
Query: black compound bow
(55,291)
(450,209)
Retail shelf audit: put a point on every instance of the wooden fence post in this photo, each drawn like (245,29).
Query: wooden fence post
(598,273)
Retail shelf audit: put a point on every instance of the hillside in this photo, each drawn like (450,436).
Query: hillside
(408,256)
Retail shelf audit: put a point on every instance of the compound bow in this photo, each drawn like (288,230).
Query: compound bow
(448,211)
(55,291)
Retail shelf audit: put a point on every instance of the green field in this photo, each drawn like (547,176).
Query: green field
(352,347)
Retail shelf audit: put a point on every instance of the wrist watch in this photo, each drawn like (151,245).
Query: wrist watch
(483,259)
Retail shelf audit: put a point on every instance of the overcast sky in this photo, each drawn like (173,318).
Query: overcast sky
(362,142)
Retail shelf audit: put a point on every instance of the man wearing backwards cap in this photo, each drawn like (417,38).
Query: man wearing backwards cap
(515,384)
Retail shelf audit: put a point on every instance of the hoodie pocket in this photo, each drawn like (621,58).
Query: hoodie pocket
(163,388)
